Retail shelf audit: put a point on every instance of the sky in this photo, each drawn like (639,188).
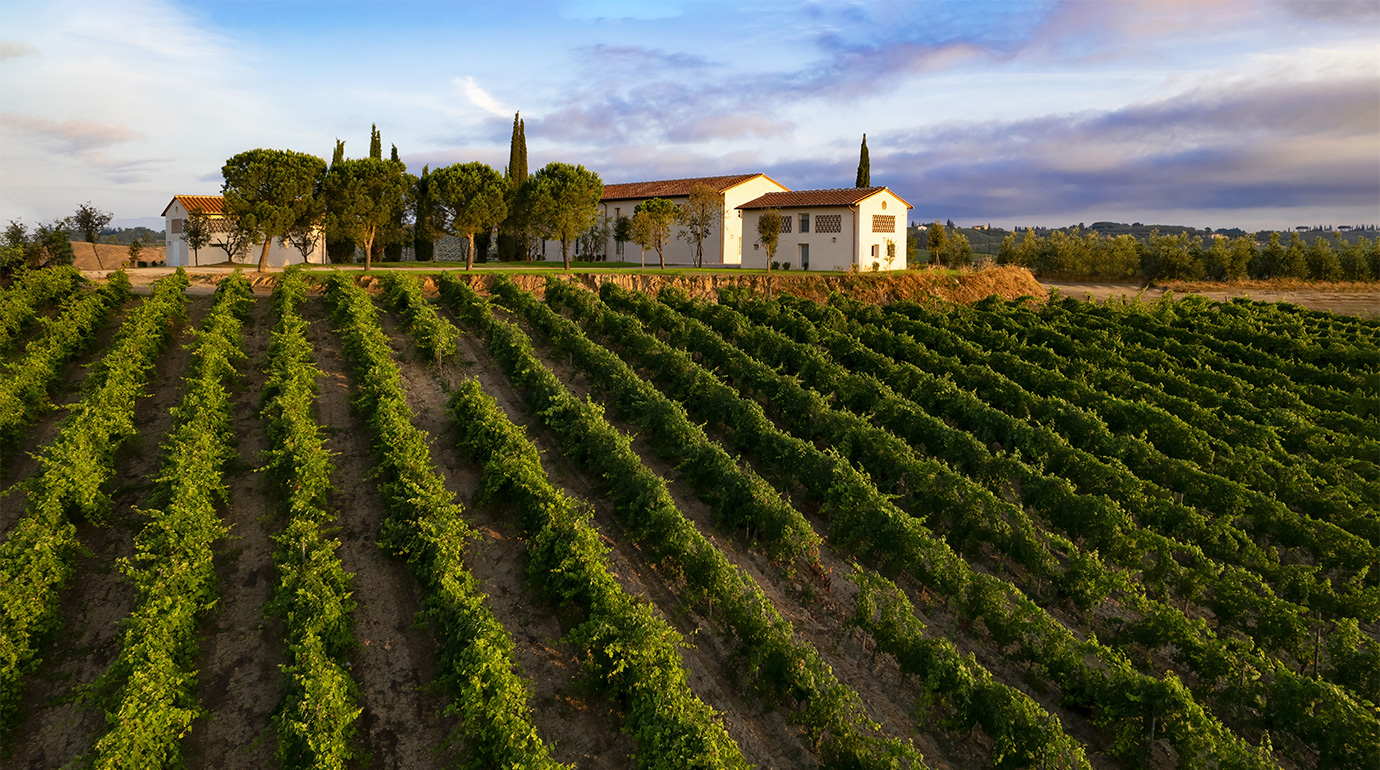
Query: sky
(1210,114)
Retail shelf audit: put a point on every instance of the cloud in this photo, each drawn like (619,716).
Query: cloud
(641,60)
(83,138)
(12,50)
(481,98)
(1279,146)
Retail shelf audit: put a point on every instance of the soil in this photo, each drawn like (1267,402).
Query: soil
(109,256)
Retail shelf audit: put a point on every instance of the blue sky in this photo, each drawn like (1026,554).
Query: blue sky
(1211,114)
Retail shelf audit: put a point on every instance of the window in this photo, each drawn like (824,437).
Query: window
(176,227)
(883,223)
(805,256)
(804,223)
(874,251)
(829,223)
(786,224)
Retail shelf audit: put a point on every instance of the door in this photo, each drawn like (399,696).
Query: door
(804,256)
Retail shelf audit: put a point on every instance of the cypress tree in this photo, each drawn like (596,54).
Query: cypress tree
(514,155)
(522,148)
(339,152)
(375,142)
(864,167)
(394,155)
(510,233)
(424,246)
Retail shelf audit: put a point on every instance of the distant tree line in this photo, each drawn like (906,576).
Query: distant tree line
(374,207)
(1078,254)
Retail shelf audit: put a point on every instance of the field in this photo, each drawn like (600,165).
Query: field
(410,524)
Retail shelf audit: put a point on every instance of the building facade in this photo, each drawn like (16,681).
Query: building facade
(839,229)
(213,206)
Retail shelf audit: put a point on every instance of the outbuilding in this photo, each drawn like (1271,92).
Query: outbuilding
(213,206)
(838,229)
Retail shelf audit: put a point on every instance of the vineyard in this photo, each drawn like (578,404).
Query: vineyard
(337,528)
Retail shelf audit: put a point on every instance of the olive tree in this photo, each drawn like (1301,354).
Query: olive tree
(470,197)
(699,216)
(769,233)
(89,221)
(271,191)
(197,231)
(652,223)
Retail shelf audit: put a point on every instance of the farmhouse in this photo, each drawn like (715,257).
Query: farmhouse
(831,229)
(220,249)
(724,245)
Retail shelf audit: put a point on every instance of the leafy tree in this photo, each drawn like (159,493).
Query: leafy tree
(864,167)
(231,236)
(1242,254)
(937,236)
(52,244)
(956,251)
(135,249)
(471,197)
(271,191)
(1270,259)
(658,217)
(89,221)
(594,243)
(12,259)
(622,232)
(16,233)
(769,233)
(423,217)
(564,201)
(1295,261)
(362,198)
(700,215)
(197,231)
(1323,264)
(1352,255)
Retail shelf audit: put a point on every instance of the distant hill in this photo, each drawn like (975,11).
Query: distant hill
(988,241)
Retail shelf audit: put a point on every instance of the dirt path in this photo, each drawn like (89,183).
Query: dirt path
(241,650)
(401,725)
(56,729)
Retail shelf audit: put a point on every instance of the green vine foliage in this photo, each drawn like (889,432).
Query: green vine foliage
(425,526)
(317,720)
(29,293)
(172,568)
(36,559)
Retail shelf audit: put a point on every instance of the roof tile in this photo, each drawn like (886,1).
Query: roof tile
(840,196)
(671,188)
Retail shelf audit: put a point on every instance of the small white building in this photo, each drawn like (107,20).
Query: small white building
(213,206)
(830,229)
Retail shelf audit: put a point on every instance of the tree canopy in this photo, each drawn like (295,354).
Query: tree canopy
(471,197)
(89,221)
(700,215)
(271,191)
(769,232)
(564,202)
(197,231)
(363,197)
(652,223)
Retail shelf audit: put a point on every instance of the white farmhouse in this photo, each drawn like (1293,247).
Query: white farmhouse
(723,246)
(830,229)
(213,206)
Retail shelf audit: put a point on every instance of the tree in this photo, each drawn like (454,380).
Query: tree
(594,243)
(424,217)
(769,233)
(89,221)
(1294,264)
(564,201)
(197,231)
(864,167)
(375,142)
(472,197)
(231,236)
(515,237)
(339,153)
(956,251)
(622,232)
(135,249)
(937,236)
(52,244)
(362,198)
(270,191)
(700,215)
(1323,264)
(658,217)
(16,233)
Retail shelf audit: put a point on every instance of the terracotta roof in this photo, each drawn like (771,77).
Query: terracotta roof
(672,188)
(842,196)
(206,204)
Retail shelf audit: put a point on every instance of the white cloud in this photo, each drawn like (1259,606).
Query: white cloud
(481,98)
(12,50)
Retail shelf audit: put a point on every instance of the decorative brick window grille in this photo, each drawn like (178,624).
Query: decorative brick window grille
(883,223)
(786,223)
(829,223)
